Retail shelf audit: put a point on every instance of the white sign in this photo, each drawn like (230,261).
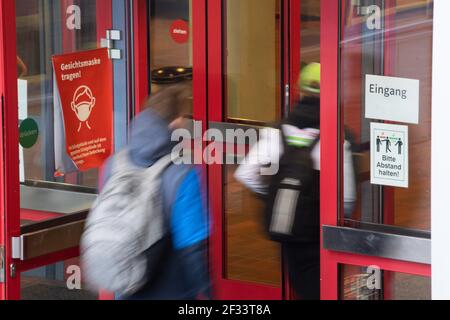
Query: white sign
(389,155)
(22,91)
(392,99)
(21,165)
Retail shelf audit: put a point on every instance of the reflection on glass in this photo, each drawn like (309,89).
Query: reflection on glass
(42,32)
(170,32)
(404,50)
(250,255)
(252,95)
(371,283)
(39,36)
(252,60)
(310,31)
(252,68)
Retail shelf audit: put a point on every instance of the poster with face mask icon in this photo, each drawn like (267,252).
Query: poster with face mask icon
(84,83)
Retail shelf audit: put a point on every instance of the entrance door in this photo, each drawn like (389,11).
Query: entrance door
(43,208)
(254,59)
(376,236)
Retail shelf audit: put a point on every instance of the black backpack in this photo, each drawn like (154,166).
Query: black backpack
(292,211)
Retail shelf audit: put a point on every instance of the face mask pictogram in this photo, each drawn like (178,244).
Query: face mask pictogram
(82,104)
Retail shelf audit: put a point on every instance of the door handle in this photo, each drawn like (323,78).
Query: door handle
(2,264)
(287,100)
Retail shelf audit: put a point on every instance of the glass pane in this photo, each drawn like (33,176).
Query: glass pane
(42,30)
(42,33)
(371,283)
(252,95)
(252,60)
(170,32)
(397,44)
(250,255)
(59,281)
(310,31)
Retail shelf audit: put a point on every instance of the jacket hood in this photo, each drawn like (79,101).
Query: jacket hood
(150,139)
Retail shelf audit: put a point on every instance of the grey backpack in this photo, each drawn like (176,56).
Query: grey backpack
(125,222)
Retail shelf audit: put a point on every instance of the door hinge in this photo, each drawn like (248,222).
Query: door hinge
(2,264)
(109,41)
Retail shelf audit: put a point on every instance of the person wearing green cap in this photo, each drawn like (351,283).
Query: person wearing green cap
(297,134)
(309,81)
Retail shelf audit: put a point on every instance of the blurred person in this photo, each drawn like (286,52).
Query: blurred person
(182,271)
(299,147)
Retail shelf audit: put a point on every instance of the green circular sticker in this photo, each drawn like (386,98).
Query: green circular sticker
(28,133)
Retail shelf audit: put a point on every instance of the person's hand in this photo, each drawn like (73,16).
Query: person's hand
(22,67)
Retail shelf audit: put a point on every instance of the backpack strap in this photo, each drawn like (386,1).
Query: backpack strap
(121,161)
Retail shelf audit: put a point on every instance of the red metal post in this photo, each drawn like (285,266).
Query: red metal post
(295,47)
(223,288)
(141,56)
(215,107)
(9,184)
(329,145)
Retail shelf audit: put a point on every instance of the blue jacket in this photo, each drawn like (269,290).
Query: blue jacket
(184,271)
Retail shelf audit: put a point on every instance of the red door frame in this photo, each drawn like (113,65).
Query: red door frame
(293,42)
(9,183)
(10,196)
(225,288)
(330,260)
(141,65)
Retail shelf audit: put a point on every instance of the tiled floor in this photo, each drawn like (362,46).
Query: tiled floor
(42,289)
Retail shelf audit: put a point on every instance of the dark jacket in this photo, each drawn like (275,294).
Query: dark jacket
(183,269)
(306,113)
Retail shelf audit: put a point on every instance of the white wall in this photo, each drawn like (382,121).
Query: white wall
(440,195)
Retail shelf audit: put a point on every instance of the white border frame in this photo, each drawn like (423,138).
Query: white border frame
(440,153)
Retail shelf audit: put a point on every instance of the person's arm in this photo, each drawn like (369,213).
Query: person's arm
(22,66)
(263,156)
(190,230)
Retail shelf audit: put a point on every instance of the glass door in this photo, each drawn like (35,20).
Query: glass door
(255,55)
(376,238)
(247,91)
(47,194)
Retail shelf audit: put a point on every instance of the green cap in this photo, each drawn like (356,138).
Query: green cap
(310,78)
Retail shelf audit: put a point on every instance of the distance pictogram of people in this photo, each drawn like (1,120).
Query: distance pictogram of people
(386,144)
(82,104)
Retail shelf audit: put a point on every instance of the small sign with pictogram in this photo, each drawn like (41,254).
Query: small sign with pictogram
(389,155)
